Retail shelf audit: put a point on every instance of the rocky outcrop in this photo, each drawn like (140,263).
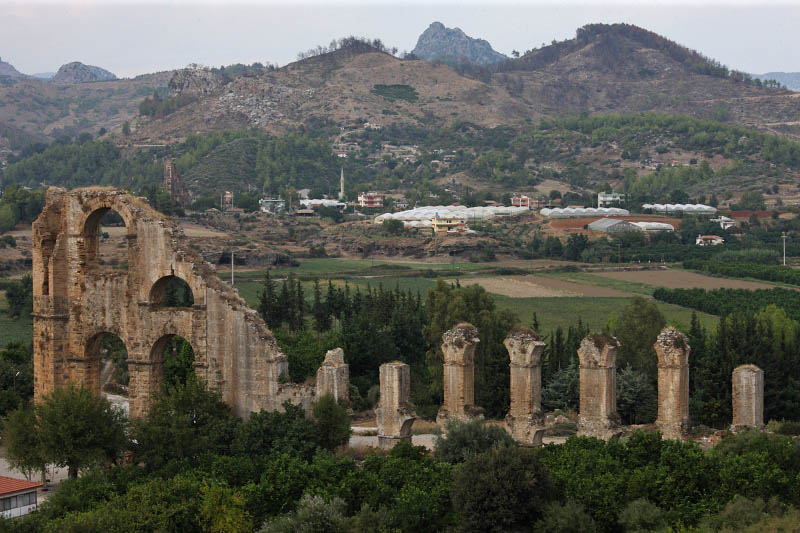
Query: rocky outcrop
(439,42)
(77,72)
(195,82)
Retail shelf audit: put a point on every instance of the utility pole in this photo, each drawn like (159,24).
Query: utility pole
(784,237)
(231,268)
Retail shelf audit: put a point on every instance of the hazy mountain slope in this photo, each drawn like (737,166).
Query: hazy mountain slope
(77,72)
(8,71)
(452,44)
(609,69)
(790,79)
(47,110)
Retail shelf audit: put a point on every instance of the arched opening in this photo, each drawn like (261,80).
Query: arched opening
(171,291)
(177,357)
(108,353)
(106,238)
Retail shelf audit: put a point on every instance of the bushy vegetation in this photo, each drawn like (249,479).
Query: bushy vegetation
(766,272)
(727,301)
(396,92)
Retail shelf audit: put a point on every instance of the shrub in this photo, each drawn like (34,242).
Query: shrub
(738,513)
(505,489)
(313,515)
(569,517)
(642,515)
(333,422)
(466,439)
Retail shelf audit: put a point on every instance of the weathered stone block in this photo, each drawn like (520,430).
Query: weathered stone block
(672,349)
(597,355)
(748,397)
(333,376)
(395,413)
(458,347)
(525,414)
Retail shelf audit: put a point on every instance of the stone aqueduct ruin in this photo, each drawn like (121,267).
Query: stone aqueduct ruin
(76,302)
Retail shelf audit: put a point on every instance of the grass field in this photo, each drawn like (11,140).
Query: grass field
(594,311)
(601,281)
(13,329)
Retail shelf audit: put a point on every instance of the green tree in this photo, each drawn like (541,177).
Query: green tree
(636,328)
(77,429)
(186,421)
(752,200)
(313,514)
(333,422)
(468,438)
(126,128)
(505,489)
(222,510)
(22,443)
(7,218)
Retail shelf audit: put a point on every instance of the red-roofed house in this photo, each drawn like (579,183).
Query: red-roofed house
(17,496)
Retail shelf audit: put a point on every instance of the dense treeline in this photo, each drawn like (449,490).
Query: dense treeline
(199,468)
(726,301)
(777,273)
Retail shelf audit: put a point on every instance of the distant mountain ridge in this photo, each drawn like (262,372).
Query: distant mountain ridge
(452,44)
(790,79)
(77,72)
(7,70)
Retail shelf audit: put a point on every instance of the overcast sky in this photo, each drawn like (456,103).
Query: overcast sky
(135,38)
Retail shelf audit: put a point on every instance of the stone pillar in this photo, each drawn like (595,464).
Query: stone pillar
(395,413)
(525,414)
(748,397)
(333,377)
(144,385)
(673,349)
(458,347)
(597,355)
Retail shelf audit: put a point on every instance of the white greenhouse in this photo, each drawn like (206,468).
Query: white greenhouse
(421,217)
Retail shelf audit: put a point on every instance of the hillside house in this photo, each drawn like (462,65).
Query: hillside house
(448,225)
(609,199)
(272,205)
(17,496)
(521,201)
(370,199)
(709,240)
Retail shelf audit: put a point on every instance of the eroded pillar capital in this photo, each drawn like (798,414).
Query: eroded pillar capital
(598,350)
(524,347)
(672,348)
(459,343)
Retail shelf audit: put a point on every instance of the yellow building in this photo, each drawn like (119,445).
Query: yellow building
(449,225)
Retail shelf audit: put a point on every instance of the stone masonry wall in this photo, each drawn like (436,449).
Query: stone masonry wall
(76,300)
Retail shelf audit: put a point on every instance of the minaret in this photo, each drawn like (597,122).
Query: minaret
(341,185)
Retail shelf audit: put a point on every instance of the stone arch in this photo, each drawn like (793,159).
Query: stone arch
(90,225)
(157,356)
(162,285)
(88,368)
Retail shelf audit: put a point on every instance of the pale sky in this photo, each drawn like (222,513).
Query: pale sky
(135,38)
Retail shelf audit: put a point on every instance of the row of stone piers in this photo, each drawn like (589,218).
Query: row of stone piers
(598,416)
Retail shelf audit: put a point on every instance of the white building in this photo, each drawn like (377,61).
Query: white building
(605,199)
(709,240)
(724,222)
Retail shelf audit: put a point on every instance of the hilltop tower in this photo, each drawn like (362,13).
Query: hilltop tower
(173,184)
(341,185)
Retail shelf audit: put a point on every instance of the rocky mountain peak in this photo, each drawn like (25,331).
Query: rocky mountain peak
(77,72)
(452,44)
(8,70)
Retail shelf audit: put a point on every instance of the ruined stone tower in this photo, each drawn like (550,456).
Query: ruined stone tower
(524,417)
(174,185)
(75,301)
(672,349)
(598,383)
(458,347)
(748,397)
